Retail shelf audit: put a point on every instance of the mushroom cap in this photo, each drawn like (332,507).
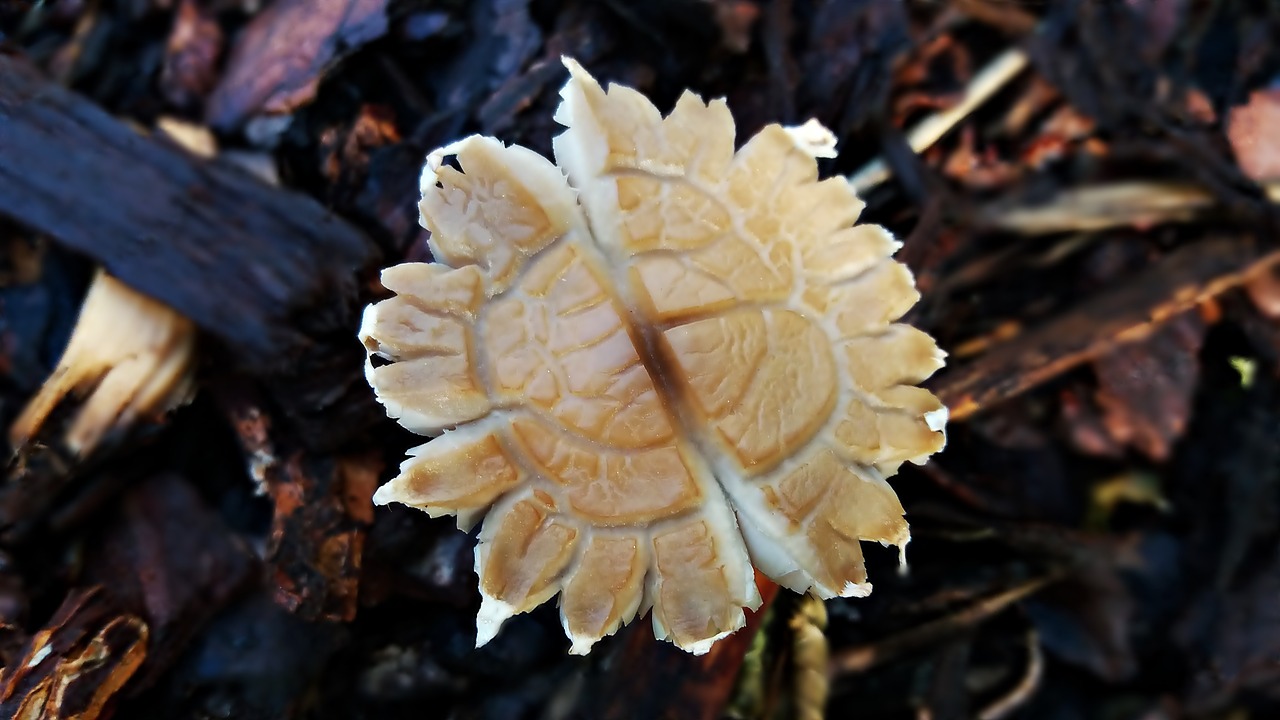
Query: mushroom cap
(652,366)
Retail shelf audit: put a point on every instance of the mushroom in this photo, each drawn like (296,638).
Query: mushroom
(652,366)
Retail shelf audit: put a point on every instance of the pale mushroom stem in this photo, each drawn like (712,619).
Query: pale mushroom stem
(130,357)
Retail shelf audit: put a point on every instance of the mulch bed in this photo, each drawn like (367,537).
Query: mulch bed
(1094,238)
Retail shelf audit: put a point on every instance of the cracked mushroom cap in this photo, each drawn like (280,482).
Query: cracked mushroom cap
(651,366)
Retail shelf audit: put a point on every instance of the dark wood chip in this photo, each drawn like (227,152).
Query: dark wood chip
(277,62)
(260,268)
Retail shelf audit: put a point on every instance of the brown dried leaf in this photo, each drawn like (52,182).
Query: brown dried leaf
(1084,426)
(1251,130)
(1146,389)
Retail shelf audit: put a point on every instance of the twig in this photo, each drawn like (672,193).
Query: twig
(1018,696)
(1110,205)
(990,80)
(863,657)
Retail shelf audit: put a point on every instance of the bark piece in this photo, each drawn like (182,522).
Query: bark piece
(262,269)
(1118,316)
(279,59)
(191,54)
(169,559)
(75,667)
(323,510)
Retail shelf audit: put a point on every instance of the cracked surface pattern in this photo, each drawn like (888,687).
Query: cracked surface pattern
(652,366)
